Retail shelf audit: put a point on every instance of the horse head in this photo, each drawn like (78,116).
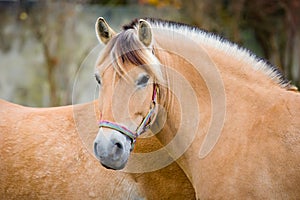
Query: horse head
(129,75)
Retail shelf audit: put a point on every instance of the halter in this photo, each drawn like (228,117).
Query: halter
(144,125)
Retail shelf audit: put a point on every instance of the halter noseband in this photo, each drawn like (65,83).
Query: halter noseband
(144,125)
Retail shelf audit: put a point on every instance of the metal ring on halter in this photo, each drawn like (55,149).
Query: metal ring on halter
(144,125)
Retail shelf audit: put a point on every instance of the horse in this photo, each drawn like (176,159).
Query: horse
(42,156)
(228,117)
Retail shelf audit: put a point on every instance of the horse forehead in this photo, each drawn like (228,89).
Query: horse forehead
(128,69)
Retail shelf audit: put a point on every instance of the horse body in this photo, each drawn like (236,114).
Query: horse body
(42,157)
(259,159)
(257,154)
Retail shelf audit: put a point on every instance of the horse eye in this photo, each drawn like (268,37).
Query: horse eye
(98,79)
(142,81)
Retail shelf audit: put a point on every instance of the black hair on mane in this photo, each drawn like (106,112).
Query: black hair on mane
(131,25)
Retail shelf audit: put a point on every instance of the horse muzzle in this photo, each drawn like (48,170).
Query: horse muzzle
(112,148)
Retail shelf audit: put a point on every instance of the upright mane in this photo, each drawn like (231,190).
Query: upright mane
(232,49)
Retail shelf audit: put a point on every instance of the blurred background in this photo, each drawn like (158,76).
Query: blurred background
(44,44)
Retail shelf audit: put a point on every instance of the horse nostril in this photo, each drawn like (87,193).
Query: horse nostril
(118,150)
(119,145)
(95,149)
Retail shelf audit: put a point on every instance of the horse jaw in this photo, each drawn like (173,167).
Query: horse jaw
(112,148)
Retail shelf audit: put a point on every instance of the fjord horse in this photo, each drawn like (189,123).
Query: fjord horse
(42,156)
(236,117)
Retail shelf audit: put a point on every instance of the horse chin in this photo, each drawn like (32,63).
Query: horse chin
(113,166)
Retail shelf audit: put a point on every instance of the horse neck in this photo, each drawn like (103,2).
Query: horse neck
(234,63)
(239,70)
(237,77)
(184,98)
(210,70)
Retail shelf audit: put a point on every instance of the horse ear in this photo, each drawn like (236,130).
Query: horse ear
(144,32)
(103,31)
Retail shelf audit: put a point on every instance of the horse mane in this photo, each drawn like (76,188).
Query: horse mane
(214,40)
(126,47)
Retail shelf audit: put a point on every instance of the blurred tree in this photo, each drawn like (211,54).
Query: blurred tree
(6,33)
(54,27)
(110,2)
(162,3)
(292,24)
(275,24)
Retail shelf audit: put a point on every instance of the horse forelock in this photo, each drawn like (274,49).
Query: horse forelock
(126,48)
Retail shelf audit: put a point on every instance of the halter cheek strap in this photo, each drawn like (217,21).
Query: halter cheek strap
(143,127)
(146,123)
